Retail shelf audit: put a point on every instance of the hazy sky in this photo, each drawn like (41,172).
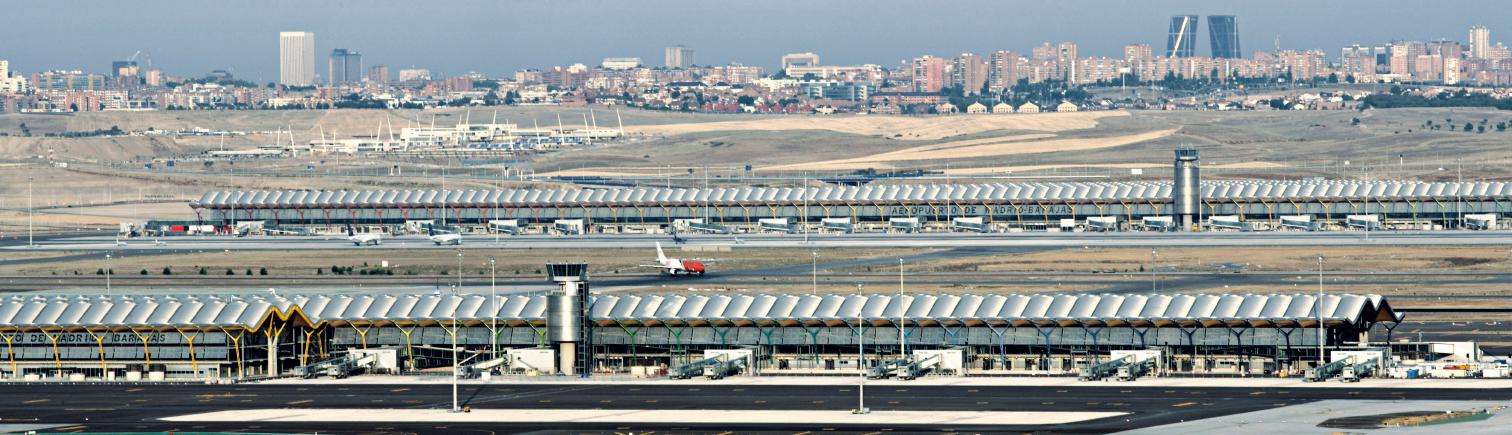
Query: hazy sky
(192,37)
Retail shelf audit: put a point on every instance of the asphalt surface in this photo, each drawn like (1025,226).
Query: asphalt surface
(135,408)
(878,240)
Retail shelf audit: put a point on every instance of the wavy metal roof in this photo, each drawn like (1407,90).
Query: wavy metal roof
(993,192)
(250,311)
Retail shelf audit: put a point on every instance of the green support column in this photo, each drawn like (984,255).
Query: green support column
(631,334)
(677,344)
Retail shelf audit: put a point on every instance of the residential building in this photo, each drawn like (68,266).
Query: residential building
(1223,36)
(791,60)
(1429,68)
(1181,40)
(296,58)
(620,63)
(1066,56)
(1002,70)
(345,67)
(679,57)
(969,71)
(1451,74)
(1138,53)
(414,75)
(67,81)
(378,74)
(154,77)
(124,68)
(928,74)
(1480,42)
(856,73)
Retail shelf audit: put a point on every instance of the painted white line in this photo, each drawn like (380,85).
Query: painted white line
(645,416)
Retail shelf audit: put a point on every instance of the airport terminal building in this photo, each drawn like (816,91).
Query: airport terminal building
(991,207)
(256,335)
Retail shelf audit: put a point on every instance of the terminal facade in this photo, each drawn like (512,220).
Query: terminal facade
(249,336)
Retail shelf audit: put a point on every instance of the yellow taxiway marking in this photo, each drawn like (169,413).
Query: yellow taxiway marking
(133,390)
(760,401)
(1183,404)
(69,428)
(399,390)
(36,401)
(301,402)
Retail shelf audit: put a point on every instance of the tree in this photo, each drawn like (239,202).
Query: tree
(1480,129)
(746,100)
(1501,126)
(167,270)
(100,271)
(144,271)
(1354,121)
(229,272)
(249,272)
(1469,127)
(262,271)
(204,271)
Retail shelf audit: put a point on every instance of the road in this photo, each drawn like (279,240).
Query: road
(867,240)
(136,408)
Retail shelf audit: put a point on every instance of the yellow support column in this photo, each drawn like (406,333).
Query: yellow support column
(241,367)
(409,349)
(57,358)
(304,353)
(8,351)
(193,360)
(361,334)
(146,351)
(100,344)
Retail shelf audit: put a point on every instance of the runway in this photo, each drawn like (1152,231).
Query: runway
(137,408)
(867,240)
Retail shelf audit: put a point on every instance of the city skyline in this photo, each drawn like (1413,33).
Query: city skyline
(240,46)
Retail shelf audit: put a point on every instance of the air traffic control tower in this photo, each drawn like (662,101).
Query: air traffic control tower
(567,322)
(1186,189)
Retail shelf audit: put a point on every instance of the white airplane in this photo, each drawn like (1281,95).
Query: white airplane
(363,239)
(444,238)
(156,242)
(120,243)
(674,266)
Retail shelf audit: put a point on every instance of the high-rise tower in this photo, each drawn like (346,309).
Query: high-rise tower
(296,58)
(1223,36)
(1181,41)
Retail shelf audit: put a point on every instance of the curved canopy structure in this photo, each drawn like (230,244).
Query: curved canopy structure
(252,312)
(883,194)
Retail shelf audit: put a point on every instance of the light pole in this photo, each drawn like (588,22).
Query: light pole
(107,274)
(1154,258)
(861,360)
(493,309)
(1319,308)
(902,315)
(456,371)
(814,290)
(29,212)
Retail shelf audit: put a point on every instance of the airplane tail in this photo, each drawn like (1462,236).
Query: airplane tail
(660,256)
(350,231)
(432,229)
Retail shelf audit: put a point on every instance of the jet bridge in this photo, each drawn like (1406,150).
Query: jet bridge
(1484,221)
(903,225)
(840,225)
(1302,222)
(338,367)
(715,367)
(506,226)
(1127,365)
(781,225)
(907,368)
(973,224)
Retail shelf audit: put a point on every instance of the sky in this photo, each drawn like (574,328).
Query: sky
(449,37)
